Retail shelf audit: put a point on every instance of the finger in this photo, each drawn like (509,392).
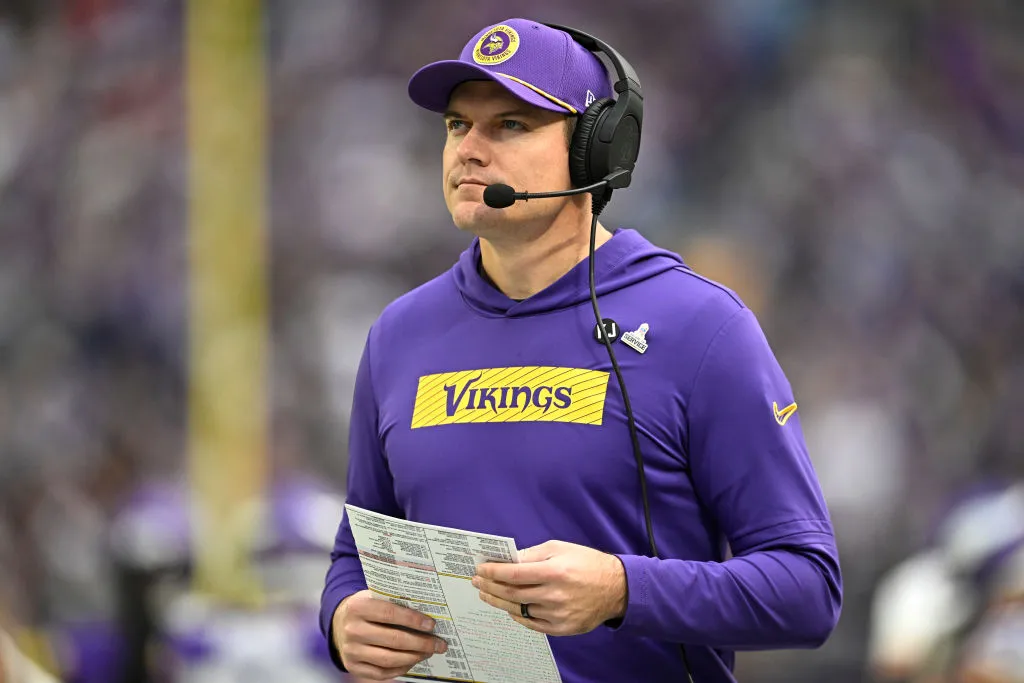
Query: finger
(393,638)
(367,672)
(536,624)
(539,615)
(510,592)
(368,676)
(382,657)
(539,553)
(514,609)
(384,612)
(531,573)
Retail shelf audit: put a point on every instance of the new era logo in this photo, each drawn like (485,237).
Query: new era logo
(590,98)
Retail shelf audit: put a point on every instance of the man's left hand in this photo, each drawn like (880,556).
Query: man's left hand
(568,588)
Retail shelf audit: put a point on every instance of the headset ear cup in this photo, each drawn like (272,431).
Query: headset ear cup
(581,149)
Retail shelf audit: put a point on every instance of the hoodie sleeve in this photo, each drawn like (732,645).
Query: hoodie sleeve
(369,485)
(750,466)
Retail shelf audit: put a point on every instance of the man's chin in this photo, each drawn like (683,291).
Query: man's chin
(478,217)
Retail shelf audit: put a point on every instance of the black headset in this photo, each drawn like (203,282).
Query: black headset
(607,136)
(606,142)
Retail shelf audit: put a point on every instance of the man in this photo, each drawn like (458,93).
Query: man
(994,651)
(504,417)
(953,611)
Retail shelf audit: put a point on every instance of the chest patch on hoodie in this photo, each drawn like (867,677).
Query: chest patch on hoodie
(527,393)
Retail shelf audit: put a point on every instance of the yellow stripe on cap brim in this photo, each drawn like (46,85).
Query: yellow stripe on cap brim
(540,92)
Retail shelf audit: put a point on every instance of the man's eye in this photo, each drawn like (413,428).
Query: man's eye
(511,124)
(455,124)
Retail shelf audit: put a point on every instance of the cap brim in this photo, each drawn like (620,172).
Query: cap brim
(431,87)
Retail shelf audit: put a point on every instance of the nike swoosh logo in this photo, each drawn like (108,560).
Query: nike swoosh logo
(782,415)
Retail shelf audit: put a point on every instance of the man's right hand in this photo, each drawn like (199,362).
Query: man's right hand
(375,640)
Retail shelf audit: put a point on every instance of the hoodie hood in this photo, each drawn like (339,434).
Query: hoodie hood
(625,259)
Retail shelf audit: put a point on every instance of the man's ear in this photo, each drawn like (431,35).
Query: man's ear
(570,129)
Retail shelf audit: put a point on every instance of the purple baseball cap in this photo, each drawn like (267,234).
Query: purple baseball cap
(538,64)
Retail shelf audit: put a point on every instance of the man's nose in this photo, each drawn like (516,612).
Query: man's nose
(474,147)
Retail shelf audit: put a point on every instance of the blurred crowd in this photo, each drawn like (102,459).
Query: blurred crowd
(854,169)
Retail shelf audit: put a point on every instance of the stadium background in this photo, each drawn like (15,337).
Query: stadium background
(202,208)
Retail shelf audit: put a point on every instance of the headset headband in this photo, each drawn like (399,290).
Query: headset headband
(626,78)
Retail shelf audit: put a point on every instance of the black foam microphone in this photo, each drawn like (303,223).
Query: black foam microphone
(501,196)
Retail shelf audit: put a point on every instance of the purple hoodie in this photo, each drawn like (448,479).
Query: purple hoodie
(479,412)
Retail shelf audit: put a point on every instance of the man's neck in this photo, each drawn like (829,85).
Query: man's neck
(520,269)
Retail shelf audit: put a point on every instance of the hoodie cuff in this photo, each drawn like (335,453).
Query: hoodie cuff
(637,606)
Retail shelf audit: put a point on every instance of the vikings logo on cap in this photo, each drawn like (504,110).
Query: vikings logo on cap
(496,45)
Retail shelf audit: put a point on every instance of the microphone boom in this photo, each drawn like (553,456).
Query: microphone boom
(501,196)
